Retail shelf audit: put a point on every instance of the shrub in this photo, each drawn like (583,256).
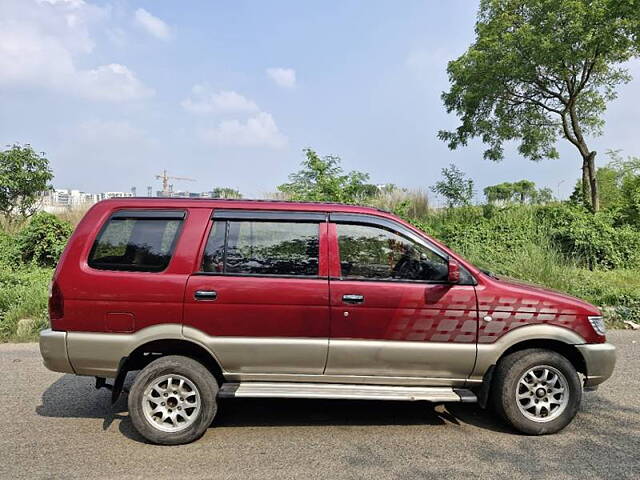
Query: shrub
(23,302)
(591,239)
(42,240)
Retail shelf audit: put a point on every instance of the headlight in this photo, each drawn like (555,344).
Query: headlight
(598,324)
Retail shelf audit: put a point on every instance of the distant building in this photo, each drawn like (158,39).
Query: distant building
(64,199)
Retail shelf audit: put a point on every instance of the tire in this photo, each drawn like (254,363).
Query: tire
(173,400)
(518,385)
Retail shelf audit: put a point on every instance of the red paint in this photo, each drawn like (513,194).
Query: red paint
(292,307)
(404,311)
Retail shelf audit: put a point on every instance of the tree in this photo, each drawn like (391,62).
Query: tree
(500,193)
(542,196)
(455,187)
(524,190)
(24,177)
(322,179)
(225,192)
(619,184)
(539,70)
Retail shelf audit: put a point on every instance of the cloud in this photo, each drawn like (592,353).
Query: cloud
(259,130)
(112,82)
(40,42)
(152,25)
(283,77)
(204,101)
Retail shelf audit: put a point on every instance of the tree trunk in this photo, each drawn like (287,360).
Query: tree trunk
(593,182)
(586,185)
(590,192)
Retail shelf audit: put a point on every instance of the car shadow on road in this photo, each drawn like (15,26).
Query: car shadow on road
(76,397)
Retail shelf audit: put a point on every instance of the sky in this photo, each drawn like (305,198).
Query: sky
(229,93)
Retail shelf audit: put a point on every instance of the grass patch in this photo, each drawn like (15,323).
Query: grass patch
(23,302)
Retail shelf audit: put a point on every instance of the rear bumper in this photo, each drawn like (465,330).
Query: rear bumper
(53,348)
(600,359)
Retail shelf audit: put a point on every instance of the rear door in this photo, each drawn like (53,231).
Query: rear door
(260,296)
(393,312)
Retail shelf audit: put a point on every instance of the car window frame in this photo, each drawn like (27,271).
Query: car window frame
(139,214)
(265,216)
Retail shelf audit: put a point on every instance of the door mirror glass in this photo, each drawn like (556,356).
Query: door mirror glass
(454,271)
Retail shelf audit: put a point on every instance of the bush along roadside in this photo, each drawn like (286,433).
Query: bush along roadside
(27,259)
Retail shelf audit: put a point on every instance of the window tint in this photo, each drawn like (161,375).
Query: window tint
(368,252)
(136,244)
(262,248)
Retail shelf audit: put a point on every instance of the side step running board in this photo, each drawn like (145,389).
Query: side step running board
(344,391)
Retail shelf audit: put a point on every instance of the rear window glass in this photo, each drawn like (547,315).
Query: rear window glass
(135,244)
(262,248)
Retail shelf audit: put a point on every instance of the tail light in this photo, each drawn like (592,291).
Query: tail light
(56,302)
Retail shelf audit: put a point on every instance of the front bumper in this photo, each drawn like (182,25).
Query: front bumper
(600,359)
(53,348)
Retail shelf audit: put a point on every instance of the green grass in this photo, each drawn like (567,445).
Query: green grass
(23,302)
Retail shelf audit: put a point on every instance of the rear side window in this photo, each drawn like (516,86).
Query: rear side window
(141,241)
(262,248)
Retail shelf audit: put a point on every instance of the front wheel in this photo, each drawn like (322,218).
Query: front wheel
(537,391)
(173,400)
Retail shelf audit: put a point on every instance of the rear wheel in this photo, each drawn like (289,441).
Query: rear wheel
(537,391)
(173,400)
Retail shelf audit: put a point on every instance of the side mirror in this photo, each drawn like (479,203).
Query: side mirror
(454,271)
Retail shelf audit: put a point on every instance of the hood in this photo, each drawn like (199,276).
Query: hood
(549,294)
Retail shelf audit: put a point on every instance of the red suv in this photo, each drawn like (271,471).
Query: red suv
(228,298)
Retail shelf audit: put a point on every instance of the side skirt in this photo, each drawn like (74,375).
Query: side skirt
(344,391)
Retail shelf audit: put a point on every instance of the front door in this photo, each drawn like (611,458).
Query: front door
(393,312)
(260,297)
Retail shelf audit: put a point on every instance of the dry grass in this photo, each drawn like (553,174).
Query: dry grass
(410,203)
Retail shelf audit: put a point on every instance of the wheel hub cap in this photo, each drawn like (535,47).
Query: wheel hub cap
(171,403)
(542,393)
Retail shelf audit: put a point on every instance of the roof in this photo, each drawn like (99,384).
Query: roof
(245,204)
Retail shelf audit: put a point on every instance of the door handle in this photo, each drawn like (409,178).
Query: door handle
(353,298)
(205,295)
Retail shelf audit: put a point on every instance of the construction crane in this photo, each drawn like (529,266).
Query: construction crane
(165,181)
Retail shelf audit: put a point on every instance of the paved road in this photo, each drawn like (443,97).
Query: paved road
(59,426)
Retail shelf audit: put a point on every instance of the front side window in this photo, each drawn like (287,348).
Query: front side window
(135,244)
(368,252)
(262,248)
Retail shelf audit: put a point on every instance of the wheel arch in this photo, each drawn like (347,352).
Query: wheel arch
(149,351)
(550,337)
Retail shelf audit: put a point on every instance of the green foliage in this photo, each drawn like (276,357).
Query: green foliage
(23,302)
(591,239)
(225,192)
(619,183)
(523,191)
(322,179)
(539,70)
(24,175)
(455,187)
(42,239)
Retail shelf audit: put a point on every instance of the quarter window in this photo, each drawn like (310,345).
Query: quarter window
(262,248)
(135,244)
(368,252)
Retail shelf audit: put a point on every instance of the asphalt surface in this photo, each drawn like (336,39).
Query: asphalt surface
(59,426)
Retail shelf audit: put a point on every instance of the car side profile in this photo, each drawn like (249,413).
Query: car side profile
(237,298)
